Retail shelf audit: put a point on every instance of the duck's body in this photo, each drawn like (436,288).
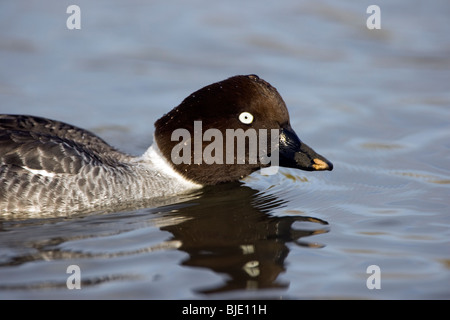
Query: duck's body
(50,166)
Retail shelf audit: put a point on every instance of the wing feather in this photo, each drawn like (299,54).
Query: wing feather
(56,147)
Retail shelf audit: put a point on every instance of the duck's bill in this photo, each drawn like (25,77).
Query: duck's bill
(295,154)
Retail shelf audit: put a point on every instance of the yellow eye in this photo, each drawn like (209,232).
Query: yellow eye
(246,117)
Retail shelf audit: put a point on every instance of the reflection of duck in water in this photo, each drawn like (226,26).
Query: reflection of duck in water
(230,231)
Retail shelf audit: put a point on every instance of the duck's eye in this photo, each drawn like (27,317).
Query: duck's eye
(246,117)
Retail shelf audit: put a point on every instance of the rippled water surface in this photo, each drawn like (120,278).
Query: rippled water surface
(374,102)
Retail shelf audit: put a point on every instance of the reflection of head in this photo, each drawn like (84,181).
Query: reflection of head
(231,232)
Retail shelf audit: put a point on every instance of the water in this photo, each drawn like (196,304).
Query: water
(374,102)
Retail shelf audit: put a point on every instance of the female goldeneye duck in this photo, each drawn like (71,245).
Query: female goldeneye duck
(50,166)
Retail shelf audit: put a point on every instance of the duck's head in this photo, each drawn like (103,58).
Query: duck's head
(229,129)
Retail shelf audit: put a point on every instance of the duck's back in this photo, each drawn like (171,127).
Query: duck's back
(39,155)
(46,132)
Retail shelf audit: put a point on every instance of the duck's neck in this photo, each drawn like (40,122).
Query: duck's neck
(153,164)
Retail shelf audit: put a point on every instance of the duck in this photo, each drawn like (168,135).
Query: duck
(52,166)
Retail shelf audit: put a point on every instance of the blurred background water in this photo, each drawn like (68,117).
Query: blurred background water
(374,102)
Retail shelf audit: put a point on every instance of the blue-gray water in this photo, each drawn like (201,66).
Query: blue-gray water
(374,102)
